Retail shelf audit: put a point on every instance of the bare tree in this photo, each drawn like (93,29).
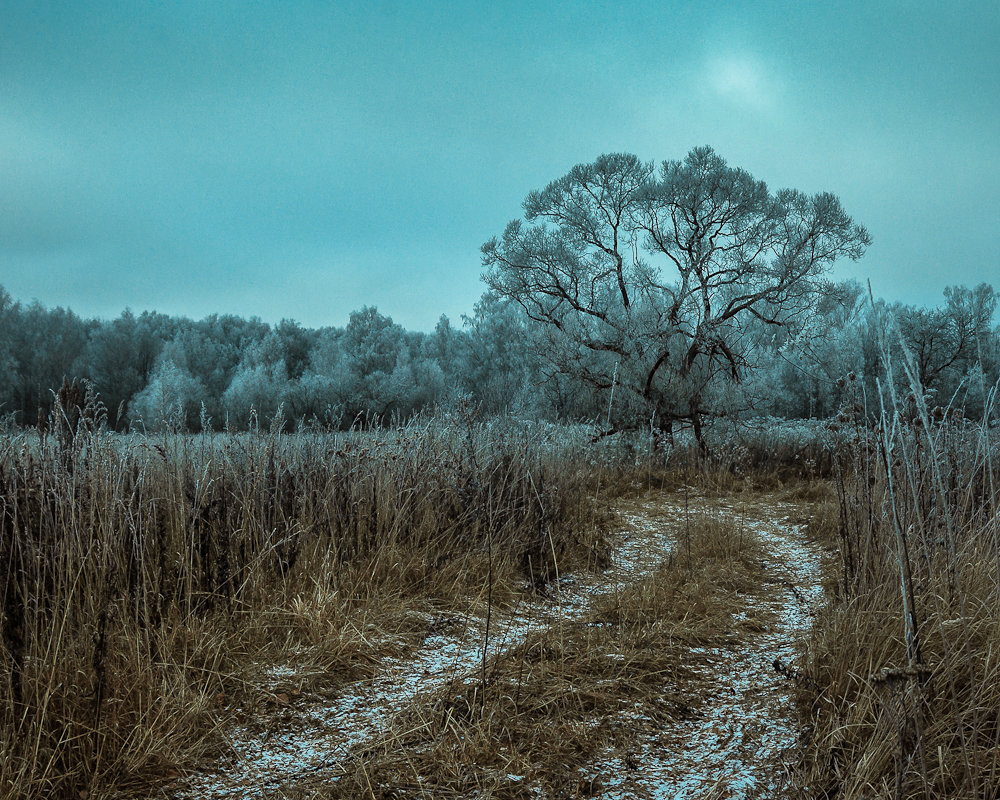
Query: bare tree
(656,280)
(947,342)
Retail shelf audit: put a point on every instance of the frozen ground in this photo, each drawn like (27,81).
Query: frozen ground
(730,750)
(735,746)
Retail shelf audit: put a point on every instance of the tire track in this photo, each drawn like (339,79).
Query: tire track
(733,748)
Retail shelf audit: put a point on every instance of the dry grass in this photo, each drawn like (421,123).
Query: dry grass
(145,581)
(148,584)
(570,695)
(908,704)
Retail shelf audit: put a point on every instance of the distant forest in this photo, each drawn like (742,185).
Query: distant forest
(155,372)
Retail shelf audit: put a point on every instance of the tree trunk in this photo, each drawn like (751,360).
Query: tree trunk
(699,434)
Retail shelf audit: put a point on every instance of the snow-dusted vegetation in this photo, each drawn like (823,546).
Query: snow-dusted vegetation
(154,371)
(670,514)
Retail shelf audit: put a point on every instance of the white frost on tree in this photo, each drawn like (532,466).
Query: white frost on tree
(172,400)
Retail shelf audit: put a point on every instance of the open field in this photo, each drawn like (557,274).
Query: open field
(464,609)
(655,673)
(466,401)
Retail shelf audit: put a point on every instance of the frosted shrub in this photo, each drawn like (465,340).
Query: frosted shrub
(259,388)
(172,400)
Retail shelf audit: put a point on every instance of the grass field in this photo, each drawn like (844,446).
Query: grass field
(159,593)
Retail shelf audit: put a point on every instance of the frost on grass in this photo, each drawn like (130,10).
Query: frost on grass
(307,740)
(734,746)
(314,738)
(731,747)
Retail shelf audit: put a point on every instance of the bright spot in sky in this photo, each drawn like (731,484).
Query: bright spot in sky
(741,78)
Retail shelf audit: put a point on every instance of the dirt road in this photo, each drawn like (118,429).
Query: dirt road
(731,745)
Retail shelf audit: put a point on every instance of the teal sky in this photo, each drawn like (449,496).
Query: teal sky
(302,159)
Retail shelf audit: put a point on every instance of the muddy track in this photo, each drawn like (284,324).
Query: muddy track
(732,748)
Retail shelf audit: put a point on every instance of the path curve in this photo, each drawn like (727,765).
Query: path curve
(729,751)
(743,739)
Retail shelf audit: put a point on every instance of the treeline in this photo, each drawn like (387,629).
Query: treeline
(854,349)
(154,371)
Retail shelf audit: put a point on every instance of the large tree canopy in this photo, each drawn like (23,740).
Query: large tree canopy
(660,280)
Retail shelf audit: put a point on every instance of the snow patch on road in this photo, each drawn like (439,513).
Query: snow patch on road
(734,747)
(746,725)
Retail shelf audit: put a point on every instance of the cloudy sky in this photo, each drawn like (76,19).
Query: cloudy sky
(302,159)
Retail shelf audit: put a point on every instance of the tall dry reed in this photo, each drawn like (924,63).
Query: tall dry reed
(906,656)
(141,577)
